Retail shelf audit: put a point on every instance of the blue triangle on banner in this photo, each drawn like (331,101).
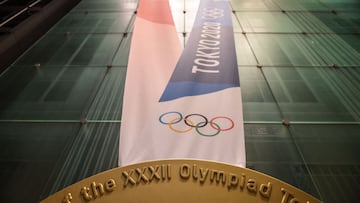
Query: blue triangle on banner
(176,90)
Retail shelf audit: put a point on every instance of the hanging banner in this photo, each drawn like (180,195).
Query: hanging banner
(186,106)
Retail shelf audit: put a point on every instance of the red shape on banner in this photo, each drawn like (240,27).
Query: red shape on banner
(152,10)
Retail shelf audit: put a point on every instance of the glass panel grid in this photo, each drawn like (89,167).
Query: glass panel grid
(253,5)
(331,153)
(343,5)
(266,22)
(326,22)
(28,154)
(72,49)
(48,93)
(309,95)
(299,70)
(271,150)
(94,22)
(106,5)
(301,5)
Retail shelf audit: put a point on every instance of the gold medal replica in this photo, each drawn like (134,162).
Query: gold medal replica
(178,181)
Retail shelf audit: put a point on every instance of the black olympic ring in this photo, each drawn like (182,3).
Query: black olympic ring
(197,126)
(196,114)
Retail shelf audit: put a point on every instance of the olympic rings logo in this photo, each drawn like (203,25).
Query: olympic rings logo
(202,125)
(212,13)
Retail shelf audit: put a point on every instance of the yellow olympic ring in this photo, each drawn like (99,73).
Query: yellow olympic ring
(180,131)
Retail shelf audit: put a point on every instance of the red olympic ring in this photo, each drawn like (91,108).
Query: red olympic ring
(218,117)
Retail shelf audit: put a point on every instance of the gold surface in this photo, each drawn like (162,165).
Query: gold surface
(178,181)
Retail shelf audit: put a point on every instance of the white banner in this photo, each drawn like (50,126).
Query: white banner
(186,106)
